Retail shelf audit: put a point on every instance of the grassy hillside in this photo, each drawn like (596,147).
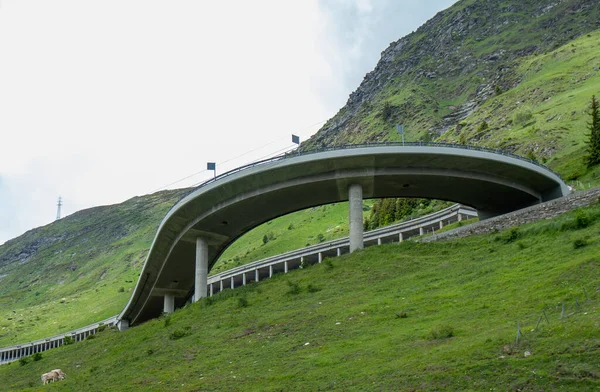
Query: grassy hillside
(439,316)
(77,270)
(81,269)
(546,115)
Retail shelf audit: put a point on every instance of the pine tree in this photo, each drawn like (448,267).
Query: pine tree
(593,157)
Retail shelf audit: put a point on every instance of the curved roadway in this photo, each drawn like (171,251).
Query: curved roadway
(221,211)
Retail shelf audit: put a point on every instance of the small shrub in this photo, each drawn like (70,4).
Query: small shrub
(321,237)
(178,334)
(521,245)
(522,116)
(68,340)
(387,110)
(483,126)
(167,321)
(291,226)
(582,220)
(90,337)
(579,243)
(441,332)
(149,351)
(328,264)
(23,361)
(401,315)
(102,328)
(37,356)
(265,239)
(294,288)
(313,289)
(510,236)
(207,301)
(498,90)
(242,302)
(121,289)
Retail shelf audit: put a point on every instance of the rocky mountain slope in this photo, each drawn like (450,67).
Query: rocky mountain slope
(439,77)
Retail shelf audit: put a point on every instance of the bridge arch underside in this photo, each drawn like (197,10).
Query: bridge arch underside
(223,211)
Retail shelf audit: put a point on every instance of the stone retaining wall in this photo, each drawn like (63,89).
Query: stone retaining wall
(535,213)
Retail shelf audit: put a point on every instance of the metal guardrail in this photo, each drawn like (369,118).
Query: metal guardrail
(364,145)
(15,352)
(373,235)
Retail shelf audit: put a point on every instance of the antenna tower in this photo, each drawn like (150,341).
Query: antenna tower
(59,204)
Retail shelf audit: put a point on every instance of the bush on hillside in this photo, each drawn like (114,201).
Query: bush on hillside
(441,332)
(522,117)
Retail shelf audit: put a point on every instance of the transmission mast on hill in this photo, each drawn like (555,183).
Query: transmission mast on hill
(59,204)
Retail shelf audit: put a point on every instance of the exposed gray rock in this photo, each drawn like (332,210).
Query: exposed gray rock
(535,213)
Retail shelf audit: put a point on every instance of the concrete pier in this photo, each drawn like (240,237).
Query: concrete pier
(355,197)
(123,325)
(169,305)
(201,269)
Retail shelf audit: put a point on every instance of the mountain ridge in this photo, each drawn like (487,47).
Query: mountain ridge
(478,41)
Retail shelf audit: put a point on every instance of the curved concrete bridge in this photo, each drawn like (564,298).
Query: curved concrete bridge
(260,269)
(203,224)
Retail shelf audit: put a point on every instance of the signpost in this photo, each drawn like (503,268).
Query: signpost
(212,166)
(400,129)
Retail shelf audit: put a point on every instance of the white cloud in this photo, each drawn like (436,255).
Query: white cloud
(104,100)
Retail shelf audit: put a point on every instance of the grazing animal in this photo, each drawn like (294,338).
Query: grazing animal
(50,376)
(53,375)
(61,374)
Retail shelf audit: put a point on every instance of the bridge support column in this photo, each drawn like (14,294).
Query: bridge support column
(441,225)
(201,269)
(123,325)
(270,271)
(320,257)
(356,217)
(400,237)
(169,304)
(421,231)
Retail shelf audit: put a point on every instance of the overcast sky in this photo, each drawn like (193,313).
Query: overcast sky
(101,101)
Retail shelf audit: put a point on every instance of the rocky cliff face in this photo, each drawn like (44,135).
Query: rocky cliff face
(438,75)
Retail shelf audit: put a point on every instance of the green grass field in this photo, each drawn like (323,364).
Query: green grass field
(437,316)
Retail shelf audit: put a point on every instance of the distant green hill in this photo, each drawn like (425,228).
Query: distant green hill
(436,316)
(77,270)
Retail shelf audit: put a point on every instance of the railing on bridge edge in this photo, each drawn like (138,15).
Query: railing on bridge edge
(14,353)
(297,153)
